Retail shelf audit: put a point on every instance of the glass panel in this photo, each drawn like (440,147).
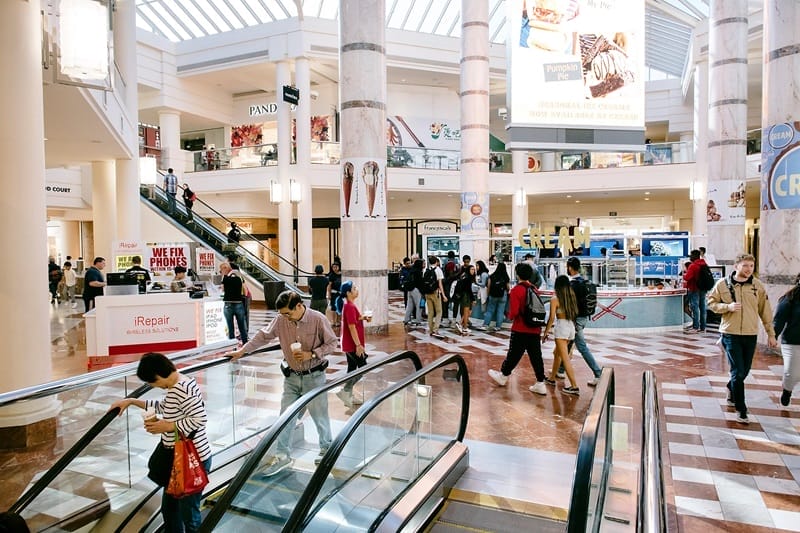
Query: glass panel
(112,469)
(598,470)
(271,493)
(621,500)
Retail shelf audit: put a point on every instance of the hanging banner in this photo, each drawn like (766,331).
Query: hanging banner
(726,203)
(163,258)
(780,167)
(205,261)
(363,189)
(475,212)
(123,253)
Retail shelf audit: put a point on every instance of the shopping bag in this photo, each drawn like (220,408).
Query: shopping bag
(188,475)
(159,466)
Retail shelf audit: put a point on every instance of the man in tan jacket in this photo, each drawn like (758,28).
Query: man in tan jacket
(741,301)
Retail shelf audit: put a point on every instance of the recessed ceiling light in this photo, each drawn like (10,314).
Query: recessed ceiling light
(569,196)
(646,198)
(403,80)
(94,141)
(577,201)
(391,198)
(646,193)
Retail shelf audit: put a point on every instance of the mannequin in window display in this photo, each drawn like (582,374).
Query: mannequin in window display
(370,176)
(347,186)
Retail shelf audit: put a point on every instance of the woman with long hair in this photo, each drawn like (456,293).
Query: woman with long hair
(415,296)
(787,325)
(352,337)
(334,283)
(464,297)
(563,312)
(481,277)
(497,289)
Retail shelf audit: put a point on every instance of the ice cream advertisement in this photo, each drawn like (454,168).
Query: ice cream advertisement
(576,62)
(725,205)
(780,167)
(363,189)
(475,212)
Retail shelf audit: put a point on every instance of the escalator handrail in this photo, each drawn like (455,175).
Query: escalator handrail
(287,417)
(602,401)
(251,237)
(61,464)
(64,385)
(300,513)
(652,515)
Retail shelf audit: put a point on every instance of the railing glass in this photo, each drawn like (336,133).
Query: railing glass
(652,514)
(264,503)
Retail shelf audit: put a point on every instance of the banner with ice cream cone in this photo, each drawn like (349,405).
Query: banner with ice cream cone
(363,194)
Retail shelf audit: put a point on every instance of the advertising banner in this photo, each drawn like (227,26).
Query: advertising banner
(475,212)
(576,63)
(780,167)
(161,327)
(205,261)
(123,253)
(363,189)
(726,203)
(438,133)
(214,323)
(163,258)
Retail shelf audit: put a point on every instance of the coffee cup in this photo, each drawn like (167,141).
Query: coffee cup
(296,347)
(367,313)
(149,415)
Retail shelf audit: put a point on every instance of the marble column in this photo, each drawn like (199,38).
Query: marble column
(548,161)
(285,212)
(25,326)
(727,128)
(104,196)
(779,227)
(474,94)
(699,148)
(362,99)
(129,218)
(169,125)
(302,174)
(519,213)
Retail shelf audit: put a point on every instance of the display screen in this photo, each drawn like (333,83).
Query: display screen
(664,247)
(598,248)
(442,245)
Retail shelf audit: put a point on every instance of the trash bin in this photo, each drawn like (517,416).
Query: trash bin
(394,281)
(271,291)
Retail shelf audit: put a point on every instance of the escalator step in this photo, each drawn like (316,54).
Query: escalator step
(464,516)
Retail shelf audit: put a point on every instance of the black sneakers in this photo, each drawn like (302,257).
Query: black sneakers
(785,397)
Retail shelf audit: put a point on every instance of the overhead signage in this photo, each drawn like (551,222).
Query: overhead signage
(206,261)
(436,227)
(576,63)
(291,95)
(163,258)
(780,167)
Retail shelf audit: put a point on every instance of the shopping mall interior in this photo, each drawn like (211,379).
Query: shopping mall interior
(363,132)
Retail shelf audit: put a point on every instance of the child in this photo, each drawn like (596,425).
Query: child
(352,337)
(70,280)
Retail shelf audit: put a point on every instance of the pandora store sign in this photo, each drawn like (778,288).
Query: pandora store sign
(259,110)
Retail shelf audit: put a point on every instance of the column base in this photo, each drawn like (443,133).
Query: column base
(377,330)
(29,435)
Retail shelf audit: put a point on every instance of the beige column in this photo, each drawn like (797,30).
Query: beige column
(700,143)
(104,196)
(362,96)
(169,125)
(285,211)
(475,231)
(25,327)
(302,173)
(519,200)
(727,127)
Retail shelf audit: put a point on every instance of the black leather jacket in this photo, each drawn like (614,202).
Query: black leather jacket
(787,321)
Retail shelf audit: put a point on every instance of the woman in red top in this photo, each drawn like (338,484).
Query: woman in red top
(352,337)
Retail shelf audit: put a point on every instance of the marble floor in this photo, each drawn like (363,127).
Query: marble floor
(719,475)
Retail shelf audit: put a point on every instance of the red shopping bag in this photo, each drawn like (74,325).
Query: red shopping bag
(188,475)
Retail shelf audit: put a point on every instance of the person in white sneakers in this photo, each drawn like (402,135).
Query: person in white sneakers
(70,281)
(523,337)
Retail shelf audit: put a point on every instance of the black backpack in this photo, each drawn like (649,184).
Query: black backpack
(533,314)
(585,296)
(498,287)
(406,281)
(705,280)
(429,282)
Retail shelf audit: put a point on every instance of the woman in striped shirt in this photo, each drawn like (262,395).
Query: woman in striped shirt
(182,408)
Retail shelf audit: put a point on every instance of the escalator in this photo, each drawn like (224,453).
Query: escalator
(100,484)
(202,231)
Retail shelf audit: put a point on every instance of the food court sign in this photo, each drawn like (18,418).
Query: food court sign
(780,167)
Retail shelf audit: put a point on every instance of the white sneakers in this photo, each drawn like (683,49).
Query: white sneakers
(346,397)
(539,388)
(498,377)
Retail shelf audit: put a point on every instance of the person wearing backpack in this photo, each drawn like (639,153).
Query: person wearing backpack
(497,287)
(524,338)
(434,295)
(413,288)
(54,276)
(696,289)
(586,296)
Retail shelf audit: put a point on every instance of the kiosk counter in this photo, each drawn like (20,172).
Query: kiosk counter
(129,325)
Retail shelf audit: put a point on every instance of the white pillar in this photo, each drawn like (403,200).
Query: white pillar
(104,194)
(362,96)
(25,327)
(285,222)
(727,126)
(700,150)
(519,213)
(302,174)
(169,125)
(548,160)
(779,228)
(475,231)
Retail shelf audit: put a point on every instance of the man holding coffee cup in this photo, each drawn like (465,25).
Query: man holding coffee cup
(306,339)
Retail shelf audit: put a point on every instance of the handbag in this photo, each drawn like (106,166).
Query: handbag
(188,474)
(159,466)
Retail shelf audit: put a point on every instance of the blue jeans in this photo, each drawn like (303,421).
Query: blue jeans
(495,310)
(171,202)
(182,515)
(294,387)
(697,303)
(740,350)
(236,309)
(583,348)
